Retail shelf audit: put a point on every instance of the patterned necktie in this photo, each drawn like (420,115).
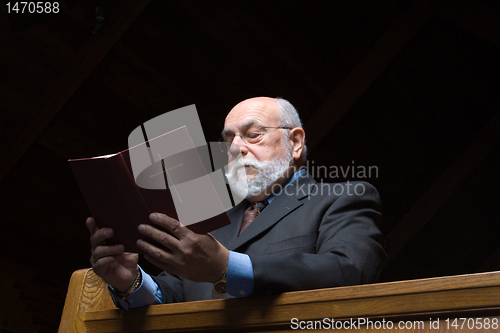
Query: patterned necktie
(251,213)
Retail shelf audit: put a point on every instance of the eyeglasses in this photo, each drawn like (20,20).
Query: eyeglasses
(252,136)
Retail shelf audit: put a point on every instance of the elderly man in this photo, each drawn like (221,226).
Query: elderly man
(290,234)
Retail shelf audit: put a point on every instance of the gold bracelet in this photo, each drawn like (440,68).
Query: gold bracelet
(136,284)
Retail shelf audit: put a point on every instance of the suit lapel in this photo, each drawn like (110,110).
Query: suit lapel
(281,206)
(226,234)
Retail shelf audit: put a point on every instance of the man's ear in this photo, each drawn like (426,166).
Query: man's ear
(297,139)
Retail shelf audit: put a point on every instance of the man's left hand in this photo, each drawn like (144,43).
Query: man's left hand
(199,258)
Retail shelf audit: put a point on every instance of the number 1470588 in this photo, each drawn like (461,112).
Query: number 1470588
(472,323)
(20,7)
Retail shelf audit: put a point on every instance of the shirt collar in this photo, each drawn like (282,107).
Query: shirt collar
(291,180)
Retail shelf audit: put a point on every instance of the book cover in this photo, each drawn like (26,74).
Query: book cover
(122,189)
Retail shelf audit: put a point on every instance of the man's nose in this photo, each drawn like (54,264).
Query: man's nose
(241,146)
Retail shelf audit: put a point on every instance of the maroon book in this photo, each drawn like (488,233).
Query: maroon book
(115,201)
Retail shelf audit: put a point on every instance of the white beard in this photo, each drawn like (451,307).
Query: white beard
(268,173)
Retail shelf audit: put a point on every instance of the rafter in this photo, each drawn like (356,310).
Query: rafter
(443,188)
(277,46)
(370,67)
(473,17)
(90,57)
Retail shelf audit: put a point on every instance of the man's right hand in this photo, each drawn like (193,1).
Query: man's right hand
(116,267)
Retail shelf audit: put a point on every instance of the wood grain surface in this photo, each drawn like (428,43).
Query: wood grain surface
(424,302)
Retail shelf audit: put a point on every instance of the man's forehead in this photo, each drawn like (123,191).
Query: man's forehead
(254,111)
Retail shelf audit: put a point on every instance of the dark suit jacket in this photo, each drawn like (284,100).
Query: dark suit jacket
(312,235)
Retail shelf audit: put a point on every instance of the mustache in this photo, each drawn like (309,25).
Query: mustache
(242,162)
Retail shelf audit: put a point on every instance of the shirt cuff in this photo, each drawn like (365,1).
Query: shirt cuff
(239,278)
(148,293)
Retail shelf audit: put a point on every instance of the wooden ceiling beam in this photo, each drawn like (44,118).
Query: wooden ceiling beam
(89,57)
(277,46)
(482,21)
(366,72)
(156,76)
(289,31)
(437,195)
(227,38)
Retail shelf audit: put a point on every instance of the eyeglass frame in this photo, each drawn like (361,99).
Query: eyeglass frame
(244,139)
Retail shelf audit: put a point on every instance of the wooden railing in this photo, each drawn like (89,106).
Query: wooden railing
(462,303)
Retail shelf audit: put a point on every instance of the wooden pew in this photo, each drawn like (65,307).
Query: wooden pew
(463,303)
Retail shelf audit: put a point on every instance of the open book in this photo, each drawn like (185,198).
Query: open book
(167,175)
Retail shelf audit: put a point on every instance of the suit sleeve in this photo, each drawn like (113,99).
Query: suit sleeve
(171,287)
(348,249)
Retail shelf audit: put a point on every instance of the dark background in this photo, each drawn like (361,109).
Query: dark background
(410,87)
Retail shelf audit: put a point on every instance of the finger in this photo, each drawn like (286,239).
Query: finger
(91,225)
(98,237)
(161,255)
(106,251)
(163,266)
(100,267)
(160,236)
(170,224)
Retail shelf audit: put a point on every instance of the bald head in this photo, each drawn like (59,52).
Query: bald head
(259,109)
